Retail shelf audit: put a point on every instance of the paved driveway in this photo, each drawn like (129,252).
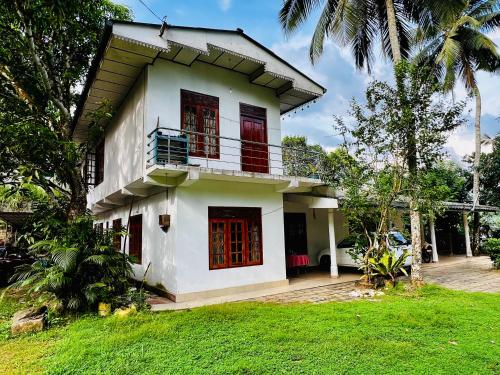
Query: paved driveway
(471,274)
(460,273)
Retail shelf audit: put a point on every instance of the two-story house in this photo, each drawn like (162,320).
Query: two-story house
(192,164)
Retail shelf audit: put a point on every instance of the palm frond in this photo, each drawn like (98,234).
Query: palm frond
(329,24)
(294,12)
(361,29)
(65,257)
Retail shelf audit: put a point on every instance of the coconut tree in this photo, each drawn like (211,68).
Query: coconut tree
(457,43)
(358,24)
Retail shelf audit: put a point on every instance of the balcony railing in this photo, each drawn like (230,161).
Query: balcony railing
(168,146)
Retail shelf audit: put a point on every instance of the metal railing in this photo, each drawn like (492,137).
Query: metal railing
(169,146)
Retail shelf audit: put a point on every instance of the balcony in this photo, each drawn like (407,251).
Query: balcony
(175,153)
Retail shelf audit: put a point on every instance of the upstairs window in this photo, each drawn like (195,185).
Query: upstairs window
(235,237)
(99,163)
(200,119)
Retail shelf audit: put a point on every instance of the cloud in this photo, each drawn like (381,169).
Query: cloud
(224,5)
(296,50)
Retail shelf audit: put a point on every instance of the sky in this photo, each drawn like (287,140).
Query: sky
(335,70)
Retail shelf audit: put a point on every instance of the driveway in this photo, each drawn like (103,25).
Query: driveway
(460,273)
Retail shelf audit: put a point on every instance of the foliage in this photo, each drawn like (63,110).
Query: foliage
(396,140)
(132,296)
(79,268)
(302,159)
(353,24)
(432,330)
(456,43)
(45,52)
(388,264)
(489,168)
(491,222)
(492,247)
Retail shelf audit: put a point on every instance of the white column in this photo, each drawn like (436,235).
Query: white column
(435,258)
(468,250)
(334,270)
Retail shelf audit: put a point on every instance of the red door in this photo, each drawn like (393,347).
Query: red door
(254,153)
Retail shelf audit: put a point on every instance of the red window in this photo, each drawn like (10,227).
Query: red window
(200,118)
(135,234)
(235,237)
(99,163)
(117,238)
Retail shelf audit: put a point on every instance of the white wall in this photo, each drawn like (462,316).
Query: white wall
(166,79)
(157,245)
(123,147)
(191,259)
(317,228)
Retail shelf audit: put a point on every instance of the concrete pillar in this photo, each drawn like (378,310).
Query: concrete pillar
(334,270)
(435,258)
(468,249)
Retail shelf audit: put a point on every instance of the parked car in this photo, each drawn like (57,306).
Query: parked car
(10,258)
(395,242)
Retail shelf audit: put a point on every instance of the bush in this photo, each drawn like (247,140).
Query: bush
(388,265)
(80,267)
(492,247)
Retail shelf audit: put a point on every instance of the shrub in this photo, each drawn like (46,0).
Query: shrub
(79,268)
(492,247)
(388,265)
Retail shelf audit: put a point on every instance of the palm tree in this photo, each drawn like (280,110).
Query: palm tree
(456,42)
(358,24)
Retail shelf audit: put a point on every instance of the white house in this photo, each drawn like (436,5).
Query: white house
(191,161)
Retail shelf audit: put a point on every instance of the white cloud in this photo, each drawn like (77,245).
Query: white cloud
(296,51)
(224,5)
(461,142)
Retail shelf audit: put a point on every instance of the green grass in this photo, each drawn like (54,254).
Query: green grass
(434,331)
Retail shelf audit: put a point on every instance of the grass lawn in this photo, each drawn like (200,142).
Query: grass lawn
(435,331)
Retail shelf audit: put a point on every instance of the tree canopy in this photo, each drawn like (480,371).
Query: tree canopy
(45,52)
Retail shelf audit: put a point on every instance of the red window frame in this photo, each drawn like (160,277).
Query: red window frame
(249,253)
(199,103)
(135,235)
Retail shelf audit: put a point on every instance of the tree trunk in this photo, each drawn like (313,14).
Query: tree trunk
(476,234)
(417,278)
(477,159)
(416,239)
(393,31)
(78,199)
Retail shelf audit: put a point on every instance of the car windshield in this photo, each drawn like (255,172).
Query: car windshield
(397,239)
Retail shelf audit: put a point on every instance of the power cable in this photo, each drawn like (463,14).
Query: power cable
(151,10)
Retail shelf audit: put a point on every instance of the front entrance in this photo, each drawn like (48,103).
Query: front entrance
(254,153)
(295,233)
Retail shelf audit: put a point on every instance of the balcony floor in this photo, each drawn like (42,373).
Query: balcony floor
(183,175)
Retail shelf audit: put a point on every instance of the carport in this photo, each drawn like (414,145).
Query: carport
(466,209)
